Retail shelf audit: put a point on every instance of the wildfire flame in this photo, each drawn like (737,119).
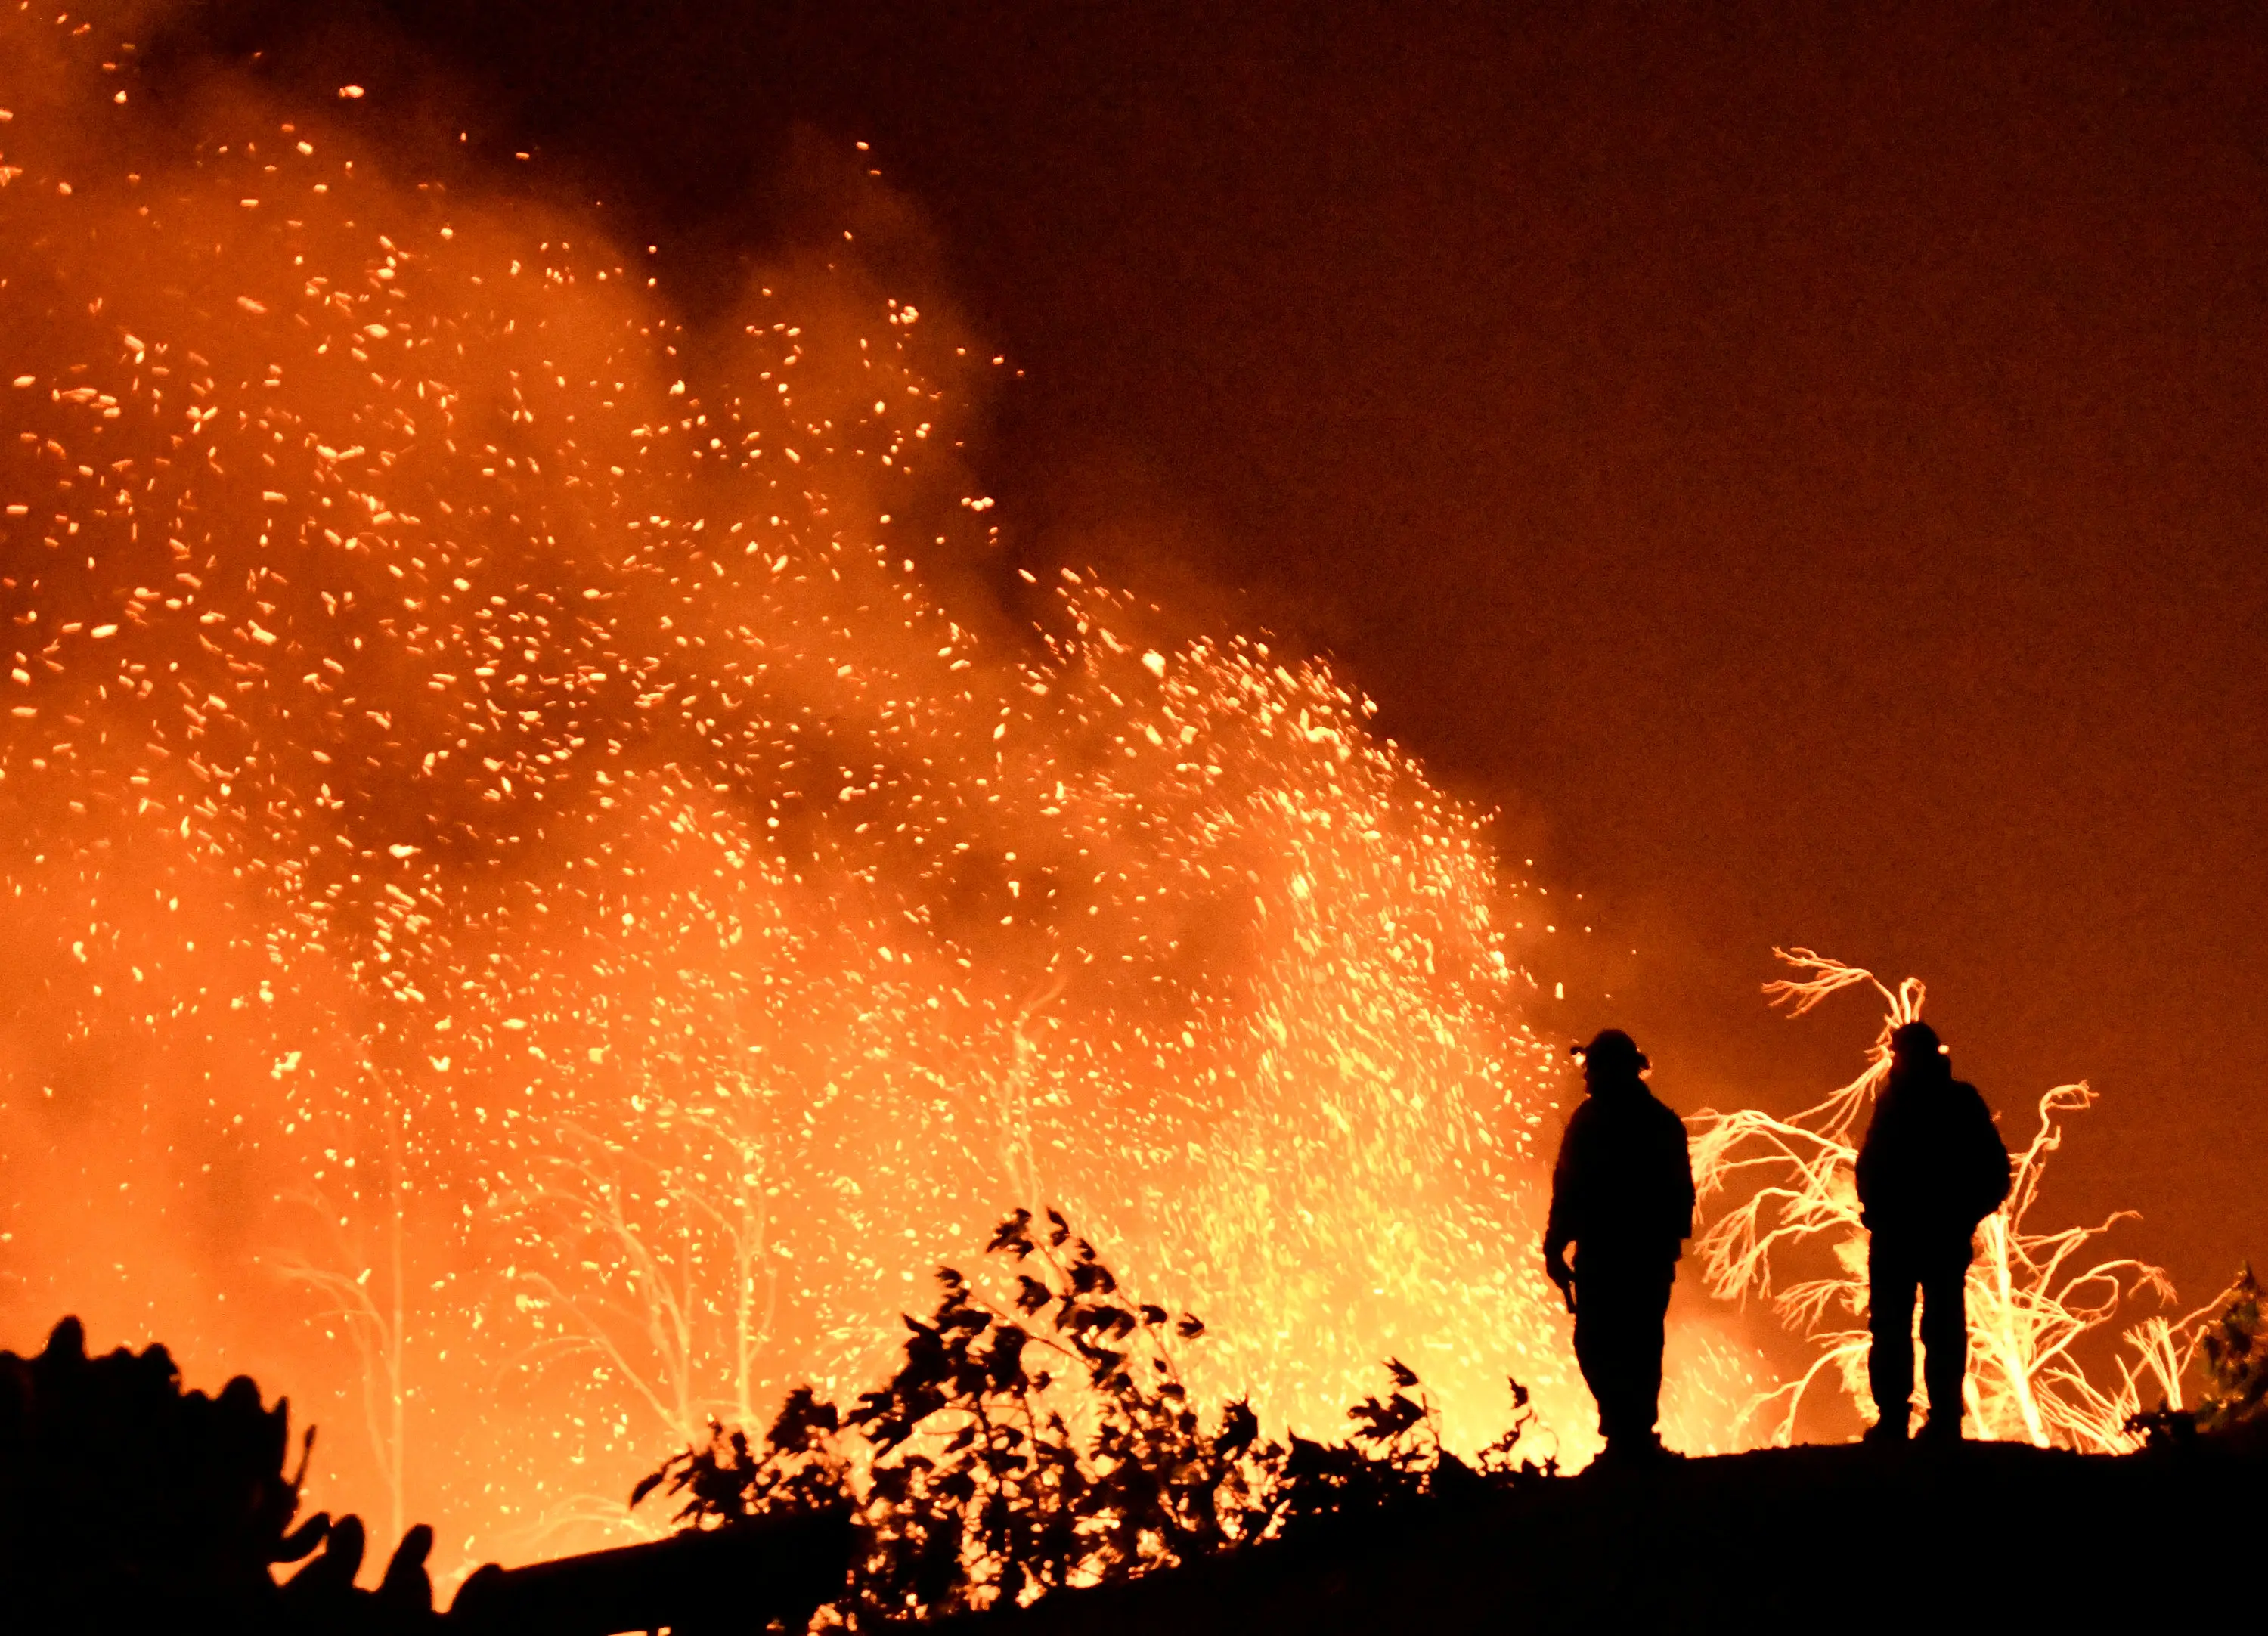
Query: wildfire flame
(532,926)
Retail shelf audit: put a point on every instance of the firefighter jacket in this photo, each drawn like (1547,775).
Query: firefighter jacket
(1932,1165)
(1623,1188)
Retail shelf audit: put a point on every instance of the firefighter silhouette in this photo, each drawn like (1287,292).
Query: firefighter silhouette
(1931,1167)
(1622,1193)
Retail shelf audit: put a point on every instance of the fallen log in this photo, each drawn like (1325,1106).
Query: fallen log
(737,1578)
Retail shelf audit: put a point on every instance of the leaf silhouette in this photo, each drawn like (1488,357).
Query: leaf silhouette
(976,1481)
(1014,1234)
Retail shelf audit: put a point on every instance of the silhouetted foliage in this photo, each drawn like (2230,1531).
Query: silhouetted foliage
(2229,1346)
(125,1500)
(1050,1441)
(2236,1354)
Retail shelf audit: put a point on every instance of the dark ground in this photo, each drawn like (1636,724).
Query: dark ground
(1985,1535)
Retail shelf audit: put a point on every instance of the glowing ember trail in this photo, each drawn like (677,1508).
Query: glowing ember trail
(2033,1300)
(530,927)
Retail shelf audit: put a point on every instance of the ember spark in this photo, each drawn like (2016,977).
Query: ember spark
(532,925)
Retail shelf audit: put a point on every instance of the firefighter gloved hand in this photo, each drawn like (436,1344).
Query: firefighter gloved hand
(1555,1263)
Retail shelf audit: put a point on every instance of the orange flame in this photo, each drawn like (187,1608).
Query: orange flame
(532,928)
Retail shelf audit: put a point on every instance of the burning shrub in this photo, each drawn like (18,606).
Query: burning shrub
(1052,1442)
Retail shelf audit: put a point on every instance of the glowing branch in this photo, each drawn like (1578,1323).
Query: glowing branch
(2030,1301)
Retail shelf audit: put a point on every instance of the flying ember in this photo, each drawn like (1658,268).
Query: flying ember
(536,918)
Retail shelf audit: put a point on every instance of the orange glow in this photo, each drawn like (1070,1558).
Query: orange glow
(532,927)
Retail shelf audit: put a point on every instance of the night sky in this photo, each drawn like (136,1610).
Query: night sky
(1804,468)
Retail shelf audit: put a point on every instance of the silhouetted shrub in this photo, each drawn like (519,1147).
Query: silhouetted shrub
(2236,1355)
(125,1502)
(2233,1402)
(1052,1442)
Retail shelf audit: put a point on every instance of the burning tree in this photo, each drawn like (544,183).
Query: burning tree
(374,1317)
(2033,1296)
(645,1267)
